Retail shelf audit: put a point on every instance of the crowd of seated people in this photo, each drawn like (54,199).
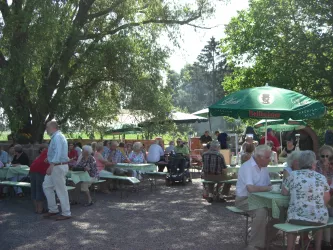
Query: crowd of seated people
(302,175)
(93,158)
(306,180)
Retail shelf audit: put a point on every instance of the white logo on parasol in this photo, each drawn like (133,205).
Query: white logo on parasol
(266,98)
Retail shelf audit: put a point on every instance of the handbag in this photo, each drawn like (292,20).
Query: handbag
(78,169)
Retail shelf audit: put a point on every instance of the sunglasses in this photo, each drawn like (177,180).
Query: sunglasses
(325,156)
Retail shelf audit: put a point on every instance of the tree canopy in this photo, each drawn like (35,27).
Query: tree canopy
(199,84)
(287,43)
(81,60)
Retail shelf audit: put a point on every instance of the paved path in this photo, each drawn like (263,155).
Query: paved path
(170,218)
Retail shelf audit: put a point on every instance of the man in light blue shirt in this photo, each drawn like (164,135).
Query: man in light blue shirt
(3,156)
(55,178)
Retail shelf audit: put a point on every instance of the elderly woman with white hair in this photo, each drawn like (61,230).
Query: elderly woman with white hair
(136,156)
(88,162)
(309,194)
(292,163)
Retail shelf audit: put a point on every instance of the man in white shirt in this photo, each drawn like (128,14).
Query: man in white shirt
(253,177)
(155,152)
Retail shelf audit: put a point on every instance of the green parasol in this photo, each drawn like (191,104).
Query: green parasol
(280,125)
(268,103)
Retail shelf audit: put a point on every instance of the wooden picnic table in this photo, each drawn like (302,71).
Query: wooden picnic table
(144,167)
(79,176)
(269,200)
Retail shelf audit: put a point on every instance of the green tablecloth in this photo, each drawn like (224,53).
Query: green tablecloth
(145,167)
(78,176)
(9,172)
(106,175)
(271,169)
(234,181)
(268,200)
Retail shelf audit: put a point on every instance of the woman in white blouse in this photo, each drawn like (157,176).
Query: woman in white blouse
(309,194)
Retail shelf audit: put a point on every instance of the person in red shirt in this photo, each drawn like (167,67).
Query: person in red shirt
(72,155)
(37,174)
(270,137)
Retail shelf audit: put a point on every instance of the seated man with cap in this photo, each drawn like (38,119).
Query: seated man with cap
(181,148)
(214,169)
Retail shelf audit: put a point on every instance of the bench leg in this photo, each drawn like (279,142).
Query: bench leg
(95,187)
(246,229)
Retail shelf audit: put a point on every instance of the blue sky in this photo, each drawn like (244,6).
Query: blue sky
(192,41)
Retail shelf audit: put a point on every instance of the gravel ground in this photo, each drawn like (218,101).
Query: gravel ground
(169,218)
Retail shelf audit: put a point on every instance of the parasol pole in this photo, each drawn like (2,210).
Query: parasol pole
(210,125)
(265,131)
(281,138)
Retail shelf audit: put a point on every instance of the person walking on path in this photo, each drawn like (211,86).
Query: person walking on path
(57,157)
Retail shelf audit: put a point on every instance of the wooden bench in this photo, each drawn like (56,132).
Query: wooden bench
(132,180)
(24,185)
(243,213)
(153,176)
(16,184)
(296,229)
(234,181)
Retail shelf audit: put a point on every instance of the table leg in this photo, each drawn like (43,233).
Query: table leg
(246,229)
(269,217)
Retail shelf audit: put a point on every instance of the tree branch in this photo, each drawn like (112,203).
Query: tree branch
(3,61)
(51,81)
(105,11)
(4,9)
(150,21)
(329,104)
(100,13)
(322,96)
(17,6)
